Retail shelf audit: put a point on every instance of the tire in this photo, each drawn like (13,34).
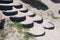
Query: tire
(39,21)
(6,1)
(37,30)
(2,7)
(33,15)
(59,11)
(17,19)
(37,35)
(49,26)
(24,11)
(28,25)
(10,13)
(18,6)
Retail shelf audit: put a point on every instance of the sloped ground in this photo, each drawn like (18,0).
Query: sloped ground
(13,32)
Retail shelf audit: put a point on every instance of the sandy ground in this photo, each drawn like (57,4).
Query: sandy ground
(50,34)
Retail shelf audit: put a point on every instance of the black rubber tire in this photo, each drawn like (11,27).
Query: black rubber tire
(10,13)
(28,25)
(37,35)
(3,7)
(6,1)
(24,11)
(39,21)
(18,6)
(56,1)
(50,28)
(17,19)
(32,15)
(59,11)
(2,22)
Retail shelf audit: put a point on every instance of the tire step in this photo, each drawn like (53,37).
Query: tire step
(24,11)
(32,15)
(17,19)
(37,35)
(39,21)
(59,11)
(10,13)
(2,7)
(28,25)
(49,26)
(23,8)
(18,6)
(6,1)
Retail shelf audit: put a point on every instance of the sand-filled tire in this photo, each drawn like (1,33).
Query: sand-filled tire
(33,15)
(28,25)
(24,11)
(3,7)
(31,34)
(37,18)
(39,21)
(10,13)
(6,1)
(18,6)
(49,26)
(17,19)
(59,11)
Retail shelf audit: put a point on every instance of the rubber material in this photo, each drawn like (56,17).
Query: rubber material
(2,7)
(10,13)
(17,19)
(6,1)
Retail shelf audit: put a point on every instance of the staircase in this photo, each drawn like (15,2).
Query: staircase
(18,12)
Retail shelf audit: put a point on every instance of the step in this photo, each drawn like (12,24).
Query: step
(29,13)
(41,5)
(28,23)
(56,1)
(36,4)
(37,30)
(23,8)
(2,22)
(32,15)
(17,19)
(48,25)
(18,6)
(6,1)
(37,35)
(37,19)
(3,7)
(24,11)
(10,13)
